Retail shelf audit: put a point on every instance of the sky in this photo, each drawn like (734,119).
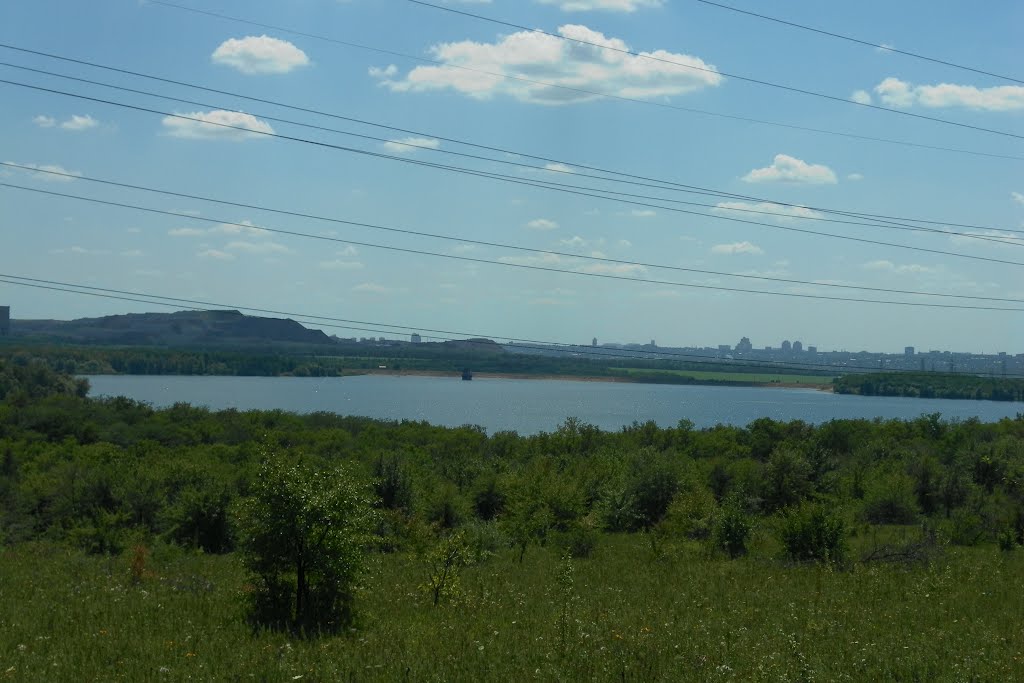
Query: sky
(526,95)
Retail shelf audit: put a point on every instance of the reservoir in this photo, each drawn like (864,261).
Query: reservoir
(529,406)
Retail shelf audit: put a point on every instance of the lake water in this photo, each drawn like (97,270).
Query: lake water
(529,406)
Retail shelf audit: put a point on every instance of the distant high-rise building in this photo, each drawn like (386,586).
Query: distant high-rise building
(415,338)
(744,346)
(5,321)
(812,349)
(593,342)
(786,346)
(798,346)
(908,351)
(652,343)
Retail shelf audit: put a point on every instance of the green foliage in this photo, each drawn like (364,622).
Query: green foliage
(732,528)
(931,385)
(304,531)
(443,562)
(891,499)
(812,532)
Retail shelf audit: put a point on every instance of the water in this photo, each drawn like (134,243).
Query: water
(529,406)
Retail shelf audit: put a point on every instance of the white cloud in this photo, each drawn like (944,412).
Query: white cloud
(574,241)
(216,254)
(260,55)
(240,228)
(214,125)
(785,168)
(77,122)
(44,121)
(896,93)
(186,232)
(861,97)
(348,250)
(132,253)
(625,244)
(539,57)
(780,212)
(623,269)
(371,288)
(996,238)
(607,5)
(737,248)
(45,172)
(411,145)
(559,168)
(903,269)
(643,213)
(1017,197)
(542,224)
(855,177)
(340,264)
(884,48)
(259,247)
(383,73)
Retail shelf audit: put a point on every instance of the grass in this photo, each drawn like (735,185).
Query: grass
(623,615)
(757,378)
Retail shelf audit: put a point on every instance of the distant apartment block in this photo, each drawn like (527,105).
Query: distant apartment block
(415,338)
(908,351)
(5,321)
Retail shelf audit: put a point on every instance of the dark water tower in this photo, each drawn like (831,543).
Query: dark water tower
(5,321)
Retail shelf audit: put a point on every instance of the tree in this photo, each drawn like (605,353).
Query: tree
(305,530)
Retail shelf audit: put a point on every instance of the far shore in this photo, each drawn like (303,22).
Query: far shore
(388,372)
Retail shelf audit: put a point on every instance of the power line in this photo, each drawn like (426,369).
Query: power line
(477,242)
(879,46)
(462,337)
(548,185)
(675,186)
(758,81)
(584,91)
(508,264)
(879,224)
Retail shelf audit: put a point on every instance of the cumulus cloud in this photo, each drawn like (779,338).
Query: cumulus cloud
(340,264)
(44,121)
(787,169)
(411,145)
(736,248)
(216,254)
(559,168)
(216,125)
(855,176)
(372,288)
(77,123)
(606,5)
(643,213)
(260,55)
(538,58)
(1017,197)
(45,172)
(900,94)
(186,232)
(542,224)
(861,97)
(779,211)
(575,241)
(241,228)
(258,247)
(899,269)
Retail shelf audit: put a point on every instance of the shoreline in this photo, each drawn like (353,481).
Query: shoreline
(827,388)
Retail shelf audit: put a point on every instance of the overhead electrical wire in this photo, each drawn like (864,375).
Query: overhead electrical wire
(476,242)
(867,43)
(675,186)
(548,185)
(662,60)
(461,337)
(508,264)
(891,224)
(593,93)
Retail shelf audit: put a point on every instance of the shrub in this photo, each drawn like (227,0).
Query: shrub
(579,542)
(732,527)
(304,538)
(811,532)
(891,500)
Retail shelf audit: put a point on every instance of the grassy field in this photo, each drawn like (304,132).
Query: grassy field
(759,378)
(625,614)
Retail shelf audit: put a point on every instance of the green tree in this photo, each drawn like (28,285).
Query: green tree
(304,536)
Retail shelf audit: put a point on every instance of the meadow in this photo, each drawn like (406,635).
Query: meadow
(626,613)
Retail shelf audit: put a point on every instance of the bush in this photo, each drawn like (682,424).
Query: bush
(812,533)
(579,542)
(891,500)
(303,541)
(732,528)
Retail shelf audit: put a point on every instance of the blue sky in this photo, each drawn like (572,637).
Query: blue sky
(66,240)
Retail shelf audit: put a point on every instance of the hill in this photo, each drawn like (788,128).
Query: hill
(181,329)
